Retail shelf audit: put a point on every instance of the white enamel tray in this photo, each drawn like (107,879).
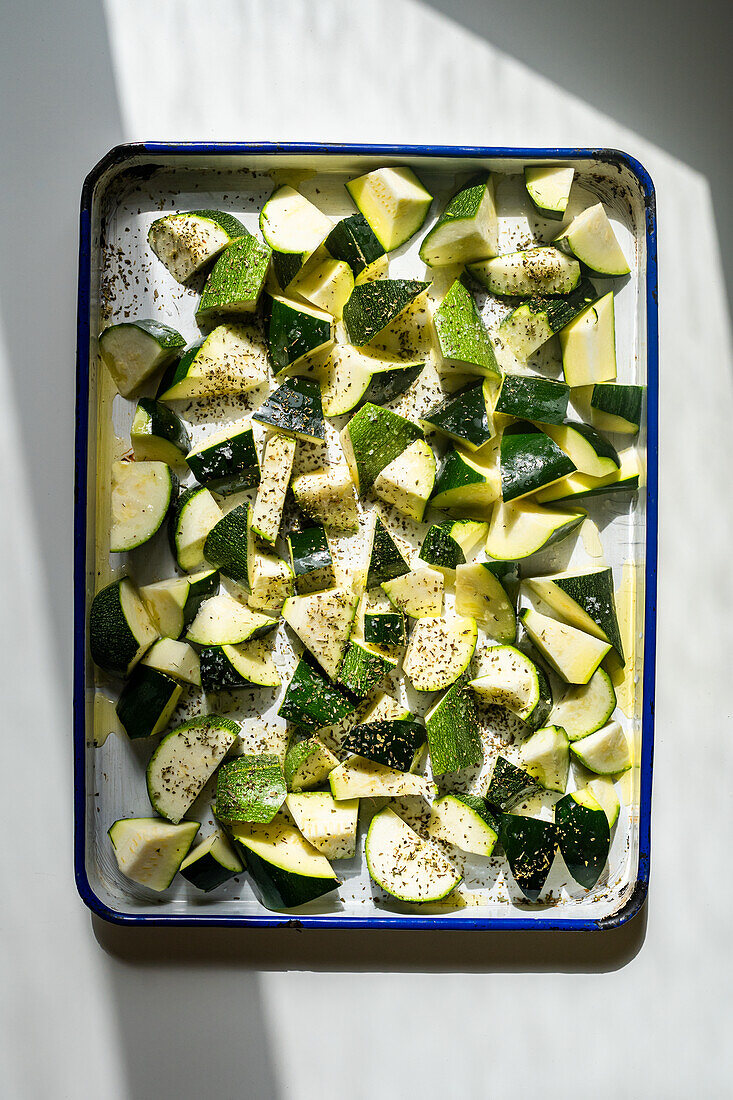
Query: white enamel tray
(120,278)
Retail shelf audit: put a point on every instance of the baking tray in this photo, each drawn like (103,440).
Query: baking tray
(118,277)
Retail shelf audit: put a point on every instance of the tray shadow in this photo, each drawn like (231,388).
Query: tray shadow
(365,950)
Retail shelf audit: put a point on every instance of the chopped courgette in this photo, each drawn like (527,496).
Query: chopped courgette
(393,202)
(249,788)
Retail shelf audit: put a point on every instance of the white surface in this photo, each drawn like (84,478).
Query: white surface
(414,1015)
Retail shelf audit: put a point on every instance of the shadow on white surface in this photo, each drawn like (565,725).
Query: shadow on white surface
(56,72)
(190,1034)
(294,949)
(655,67)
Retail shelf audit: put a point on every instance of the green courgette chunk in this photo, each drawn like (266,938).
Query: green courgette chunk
(294,408)
(529,845)
(392,742)
(236,279)
(284,869)
(583,836)
(150,851)
(185,760)
(249,788)
(394,203)
(187,242)
(403,864)
(134,350)
(453,731)
(467,230)
(211,863)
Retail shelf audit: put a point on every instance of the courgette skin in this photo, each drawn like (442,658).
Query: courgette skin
(385,560)
(584,839)
(561,311)
(362,669)
(529,845)
(529,461)
(236,280)
(112,643)
(353,240)
(453,731)
(463,338)
(547,315)
(509,785)
(294,408)
(311,701)
(532,398)
(593,594)
(463,417)
(226,544)
(207,874)
(231,225)
(211,864)
(453,473)
(218,673)
(249,788)
(165,336)
(145,699)
(620,404)
(372,306)
(507,574)
(543,709)
(228,465)
(601,447)
(310,557)
(440,549)
(386,628)
(372,439)
(466,486)
(307,764)
(393,743)
(165,427)
(479,239)
(286,266)
(387,385)
(178,369)
(586,488)
(292,332)
(481,807)
(281,889)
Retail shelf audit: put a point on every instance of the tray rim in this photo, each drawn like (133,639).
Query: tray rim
(118,156)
